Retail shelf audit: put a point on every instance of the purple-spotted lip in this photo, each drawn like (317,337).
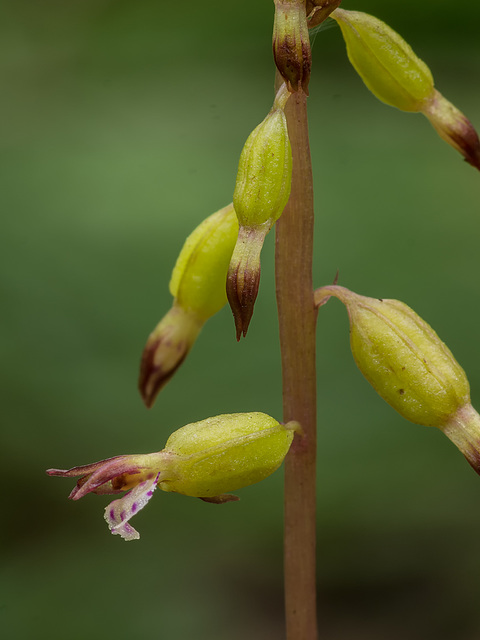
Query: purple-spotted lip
(120,511)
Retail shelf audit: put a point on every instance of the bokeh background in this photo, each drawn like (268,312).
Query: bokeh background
(122,123)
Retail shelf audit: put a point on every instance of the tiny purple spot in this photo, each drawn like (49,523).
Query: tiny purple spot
(150,494)
(112,514)
(122,515)
(134,507)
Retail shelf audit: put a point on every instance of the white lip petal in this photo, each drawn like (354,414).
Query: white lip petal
(119,512)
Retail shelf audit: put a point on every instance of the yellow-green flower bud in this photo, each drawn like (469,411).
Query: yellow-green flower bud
(261,193)
(198,287)
(384,61)
(395,75)
(264,173)
(403,358)
(225,453)
(410,367)
(203,459)
(291,43)
(198,278)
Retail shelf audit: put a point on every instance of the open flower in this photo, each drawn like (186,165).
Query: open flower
(205,459)
(137,474)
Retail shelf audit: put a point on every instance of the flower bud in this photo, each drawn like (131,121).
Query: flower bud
(410,367)
(261,192)
(291,44)
(384,61)
(203,459)
(225,453)
(395,75)
(403,358)
(264,175)
(198,287)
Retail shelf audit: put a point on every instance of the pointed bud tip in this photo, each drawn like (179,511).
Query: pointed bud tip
(453,127)
(241,293)
(243,278)
(154,377)
(167,347)
(463,429)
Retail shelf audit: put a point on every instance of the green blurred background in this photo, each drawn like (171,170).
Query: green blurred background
(122,123)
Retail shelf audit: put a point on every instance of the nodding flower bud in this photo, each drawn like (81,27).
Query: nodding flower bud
(395,75)
(384,61)
(261,192)
(264,174)
(410,367)
(291,44)
(204,459)
(198,287)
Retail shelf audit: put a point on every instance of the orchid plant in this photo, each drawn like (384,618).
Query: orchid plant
(399,353)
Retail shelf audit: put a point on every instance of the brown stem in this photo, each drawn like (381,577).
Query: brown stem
(297,315)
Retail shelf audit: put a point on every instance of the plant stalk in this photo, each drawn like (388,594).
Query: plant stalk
(297,319)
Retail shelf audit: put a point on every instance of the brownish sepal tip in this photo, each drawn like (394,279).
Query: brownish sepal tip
(242,291)
(294,69)
(154,377)
(469,146)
